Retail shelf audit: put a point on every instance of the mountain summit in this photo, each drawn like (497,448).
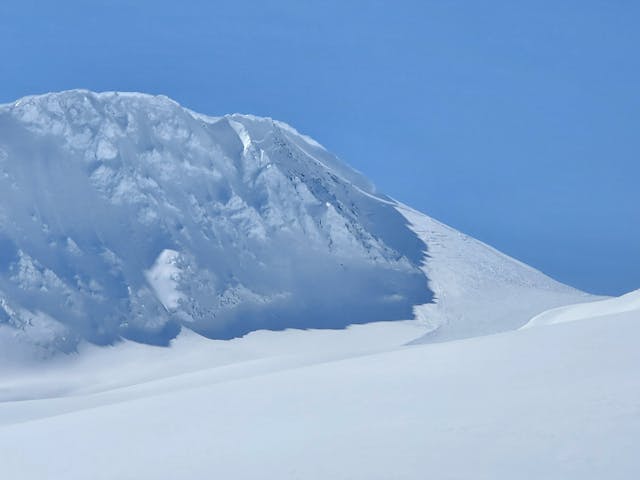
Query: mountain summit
(127,215)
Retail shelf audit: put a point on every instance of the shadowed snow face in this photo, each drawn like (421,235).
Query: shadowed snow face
(127,215)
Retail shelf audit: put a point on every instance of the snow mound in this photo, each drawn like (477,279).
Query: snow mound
(626,304)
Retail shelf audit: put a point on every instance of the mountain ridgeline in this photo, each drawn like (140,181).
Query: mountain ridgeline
(129,216)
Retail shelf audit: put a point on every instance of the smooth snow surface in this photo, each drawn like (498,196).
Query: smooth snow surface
(629,303)
(478,290)
(556,402)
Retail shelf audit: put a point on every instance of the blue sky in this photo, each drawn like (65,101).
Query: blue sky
(516,122)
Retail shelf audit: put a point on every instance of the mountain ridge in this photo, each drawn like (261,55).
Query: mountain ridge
(247,222)
(131,216)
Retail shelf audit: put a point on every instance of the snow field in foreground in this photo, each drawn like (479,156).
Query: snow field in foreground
(557,402)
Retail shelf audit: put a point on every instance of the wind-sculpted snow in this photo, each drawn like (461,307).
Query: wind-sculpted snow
(628,304)
(126,215)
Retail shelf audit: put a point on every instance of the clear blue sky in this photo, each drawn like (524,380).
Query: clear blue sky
(516,122)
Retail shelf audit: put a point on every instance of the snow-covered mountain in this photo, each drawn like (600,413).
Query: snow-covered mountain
(297,302)
(127,215)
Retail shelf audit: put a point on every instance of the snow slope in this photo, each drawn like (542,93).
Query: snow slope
(478,290)
(127,215)
(558,402)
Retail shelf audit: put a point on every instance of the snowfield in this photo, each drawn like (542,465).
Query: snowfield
(186,296)
(557,402)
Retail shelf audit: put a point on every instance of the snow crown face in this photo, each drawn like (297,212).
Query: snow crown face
(128,215)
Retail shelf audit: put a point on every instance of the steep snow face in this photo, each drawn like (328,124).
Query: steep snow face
(128,215)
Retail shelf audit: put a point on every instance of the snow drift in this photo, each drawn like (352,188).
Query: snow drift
(628,305)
